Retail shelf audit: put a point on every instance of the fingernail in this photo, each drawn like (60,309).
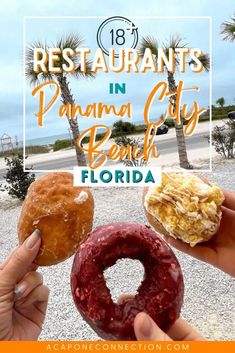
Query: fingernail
(32,239)
(147,327)
(20,290)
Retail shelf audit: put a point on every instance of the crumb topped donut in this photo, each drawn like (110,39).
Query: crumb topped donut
(185,206)
(63,213)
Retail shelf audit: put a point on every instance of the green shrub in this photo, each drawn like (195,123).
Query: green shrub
(123,141)
(37,149)
(223,139)
(87,138)
(17,180)
(171,122)
(222,110)
(140,128)
(122,128)
(28,150)
(60,144)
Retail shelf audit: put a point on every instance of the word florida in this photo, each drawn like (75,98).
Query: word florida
(124,176)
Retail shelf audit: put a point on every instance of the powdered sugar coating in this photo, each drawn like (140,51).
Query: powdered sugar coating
(82,197)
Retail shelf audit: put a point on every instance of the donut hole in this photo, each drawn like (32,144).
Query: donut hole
(124,278)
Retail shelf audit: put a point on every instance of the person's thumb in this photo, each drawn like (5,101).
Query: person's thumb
(21,259)
(147,330)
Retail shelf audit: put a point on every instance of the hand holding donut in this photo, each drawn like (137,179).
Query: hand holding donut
(147,330)
(220,250)
(23,297)
(187,208)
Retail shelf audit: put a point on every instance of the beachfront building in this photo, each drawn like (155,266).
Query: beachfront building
(6,143)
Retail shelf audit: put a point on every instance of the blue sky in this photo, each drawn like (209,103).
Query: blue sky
(194,31)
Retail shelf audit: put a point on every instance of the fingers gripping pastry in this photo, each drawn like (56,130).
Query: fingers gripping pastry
(63,213)
(185,206)
(160,294)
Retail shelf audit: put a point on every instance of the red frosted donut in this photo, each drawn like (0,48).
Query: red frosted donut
(160,294)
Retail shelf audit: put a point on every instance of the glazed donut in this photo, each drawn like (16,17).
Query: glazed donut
(63,213)
(185,206)
(160,294)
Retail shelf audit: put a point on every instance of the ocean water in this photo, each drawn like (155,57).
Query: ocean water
(47,139)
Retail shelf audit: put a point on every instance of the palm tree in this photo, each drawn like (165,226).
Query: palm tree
(72,41)
(228,30)
(174,42)
(221,102)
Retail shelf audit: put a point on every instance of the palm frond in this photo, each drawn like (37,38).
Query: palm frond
(150,43)
(30,49)
(88,74)
(167,54)
(175,41)
(72,41)
(220,101)
(45,76)
(228,30)
(31,76)
(205,61)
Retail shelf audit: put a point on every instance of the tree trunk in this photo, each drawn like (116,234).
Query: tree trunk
(180,138)
(67,97)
